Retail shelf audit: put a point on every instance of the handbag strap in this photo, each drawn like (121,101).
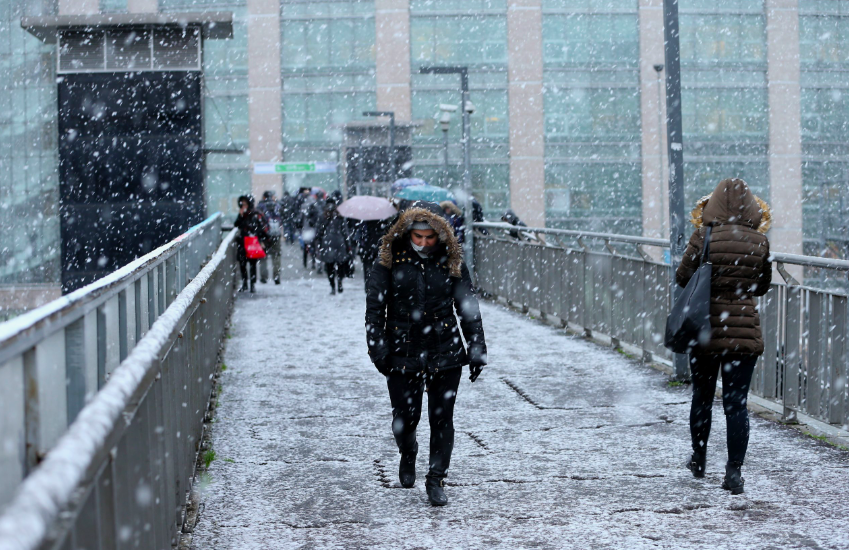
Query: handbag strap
(706,248)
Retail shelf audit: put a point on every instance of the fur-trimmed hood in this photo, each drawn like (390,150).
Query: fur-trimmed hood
(734,203)
(401,229)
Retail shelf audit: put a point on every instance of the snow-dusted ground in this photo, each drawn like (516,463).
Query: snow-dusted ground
(560,444)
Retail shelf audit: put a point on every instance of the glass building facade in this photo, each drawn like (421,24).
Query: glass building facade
(592,115)
(29,183)
(824,53)
(328,71)
(724,94)
(444,33)
(592,119)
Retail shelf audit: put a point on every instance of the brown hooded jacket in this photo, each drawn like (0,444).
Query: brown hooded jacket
(739,251)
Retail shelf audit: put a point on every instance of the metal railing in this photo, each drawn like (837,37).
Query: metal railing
(612,285)
(54,359)
(119,477)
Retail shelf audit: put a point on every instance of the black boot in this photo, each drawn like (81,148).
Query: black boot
(339,284)
(244,286)
(435,494)
(441,446)
(253,287)
(409,448)
(697,463)
(733,478)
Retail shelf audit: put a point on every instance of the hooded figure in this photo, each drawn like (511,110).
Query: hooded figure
(741,271)
(250,223)
(416,292)
(333,242)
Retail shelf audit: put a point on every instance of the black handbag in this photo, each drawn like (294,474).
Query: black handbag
(688,324)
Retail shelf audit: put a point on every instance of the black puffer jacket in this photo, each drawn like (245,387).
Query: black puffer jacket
(411,302)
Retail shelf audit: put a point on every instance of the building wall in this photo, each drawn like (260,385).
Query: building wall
(29,183)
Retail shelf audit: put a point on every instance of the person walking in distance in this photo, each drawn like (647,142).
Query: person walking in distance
(273,212)
(741,271)
(333,244)
(413,292)
(250,223)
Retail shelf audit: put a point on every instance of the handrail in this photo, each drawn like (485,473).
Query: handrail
(782,257)
(42,498)
(22,332)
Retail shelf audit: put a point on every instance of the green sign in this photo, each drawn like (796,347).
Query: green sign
(294,167)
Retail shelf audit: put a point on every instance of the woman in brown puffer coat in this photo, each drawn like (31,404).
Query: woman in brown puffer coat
(739,252)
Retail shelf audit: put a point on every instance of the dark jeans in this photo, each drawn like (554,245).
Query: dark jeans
(406,392)
(736,378)
(243,267)
(334,274)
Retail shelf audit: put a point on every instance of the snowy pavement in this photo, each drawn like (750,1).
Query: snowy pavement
(560,444)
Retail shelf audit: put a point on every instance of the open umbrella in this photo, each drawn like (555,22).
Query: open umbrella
(429,193)
(403,183)
(364,207)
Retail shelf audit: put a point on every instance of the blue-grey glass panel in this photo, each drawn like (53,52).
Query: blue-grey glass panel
(317,9)
(824,41)
(29,223)
(488,121)
(467,6)
(331,44)
(455,40)
(722,114)
(825,115)
(597,6)
(581,114)
(591,39)
(722,38)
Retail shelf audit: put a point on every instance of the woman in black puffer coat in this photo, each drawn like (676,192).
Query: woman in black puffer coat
(417,285)
(334,245)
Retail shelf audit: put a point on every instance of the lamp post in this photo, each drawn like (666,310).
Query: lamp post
(391,115)
(466,109)
(659,69)
(445,123)
(675,151)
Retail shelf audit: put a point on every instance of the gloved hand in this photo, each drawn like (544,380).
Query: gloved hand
(475,369)
(382,365)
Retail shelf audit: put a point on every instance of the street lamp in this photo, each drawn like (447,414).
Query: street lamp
(659,69)
(445,123)
(467,109)
(391,115)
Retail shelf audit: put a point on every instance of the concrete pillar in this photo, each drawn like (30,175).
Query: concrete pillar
(142,6)
(655,172)
(392,42)
(79,7)
(785,134)
(265,108)
(526,111)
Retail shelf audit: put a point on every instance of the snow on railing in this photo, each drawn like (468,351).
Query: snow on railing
(602,289)
(55,358)
(119,473)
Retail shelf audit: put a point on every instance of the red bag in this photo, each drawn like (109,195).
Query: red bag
(253,250)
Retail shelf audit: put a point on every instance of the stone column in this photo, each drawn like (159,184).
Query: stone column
(526,111)
(142,6)
(392,42)
(785,134)
(79,7)
(655,172)
(265,108)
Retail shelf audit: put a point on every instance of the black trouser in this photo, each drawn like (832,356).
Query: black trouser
(334,273)
(243,267)
(406,392)
(736,378)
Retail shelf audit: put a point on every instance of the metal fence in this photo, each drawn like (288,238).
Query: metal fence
(612,285)
(119,477)
(54,359)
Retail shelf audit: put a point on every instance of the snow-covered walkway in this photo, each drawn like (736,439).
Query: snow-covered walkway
(560,444)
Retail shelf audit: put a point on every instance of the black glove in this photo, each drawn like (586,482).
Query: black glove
(475,370)
(382,365)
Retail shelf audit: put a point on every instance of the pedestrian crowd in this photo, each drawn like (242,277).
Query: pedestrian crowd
(423,320)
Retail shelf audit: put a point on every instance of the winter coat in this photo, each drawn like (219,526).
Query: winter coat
(333,239)
(739,252)
(411,302)
(273,213)
(456,219)
(251,224)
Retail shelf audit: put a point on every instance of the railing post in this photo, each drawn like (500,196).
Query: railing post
(46,396)
(13,427)
(837,386)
